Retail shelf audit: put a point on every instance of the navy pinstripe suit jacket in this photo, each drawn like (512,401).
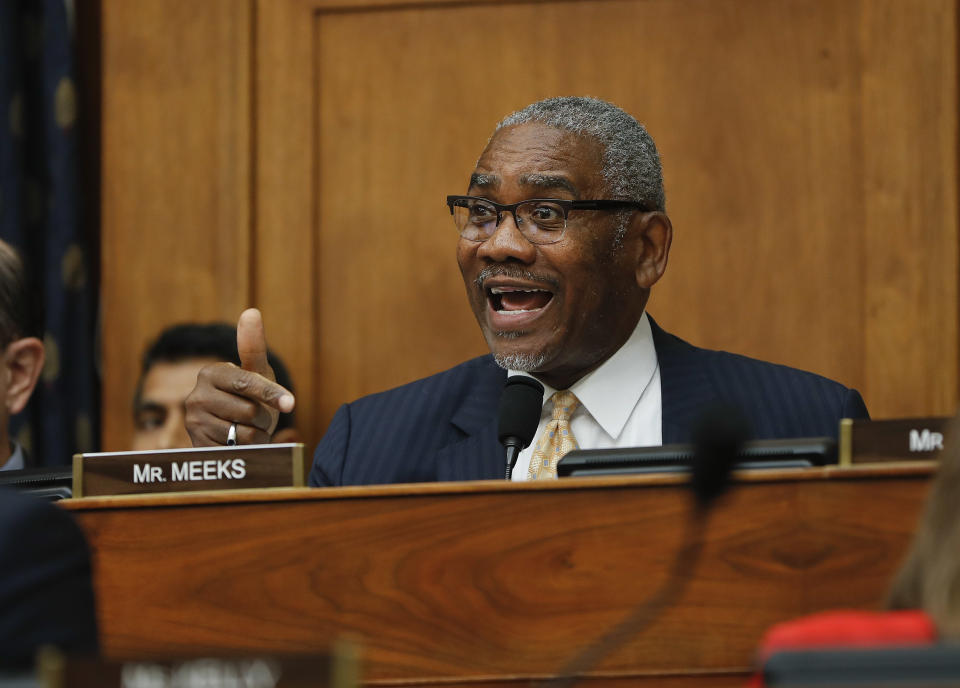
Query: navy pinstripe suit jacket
(444,427)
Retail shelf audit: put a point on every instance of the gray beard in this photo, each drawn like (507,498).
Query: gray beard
(526,363)
(523,362)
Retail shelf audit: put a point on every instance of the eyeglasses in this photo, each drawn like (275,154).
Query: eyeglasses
(540,220)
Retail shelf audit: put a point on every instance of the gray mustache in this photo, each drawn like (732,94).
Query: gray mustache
(513,272)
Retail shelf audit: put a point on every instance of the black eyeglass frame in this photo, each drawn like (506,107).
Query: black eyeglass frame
(565,204)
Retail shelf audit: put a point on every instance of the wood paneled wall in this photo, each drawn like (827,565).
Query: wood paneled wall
(294,155)
(176,188)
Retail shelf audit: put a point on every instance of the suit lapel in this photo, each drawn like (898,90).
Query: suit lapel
(478,455)
(685,386)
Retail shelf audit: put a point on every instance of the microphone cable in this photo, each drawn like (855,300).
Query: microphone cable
(670,590)
(718,438)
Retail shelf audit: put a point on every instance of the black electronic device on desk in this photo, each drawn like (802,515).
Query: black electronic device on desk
(802,452)
(893,667)
(50,482)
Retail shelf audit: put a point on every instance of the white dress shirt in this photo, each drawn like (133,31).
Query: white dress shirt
(620,403)
(16,461)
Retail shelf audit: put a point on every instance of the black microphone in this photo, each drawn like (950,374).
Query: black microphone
(520,406)
(718,439)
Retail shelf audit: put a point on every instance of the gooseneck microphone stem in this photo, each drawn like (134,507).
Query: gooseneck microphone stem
(513,452)
(719,436)
(670,590)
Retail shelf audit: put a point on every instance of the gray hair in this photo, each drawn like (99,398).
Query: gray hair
(631,164)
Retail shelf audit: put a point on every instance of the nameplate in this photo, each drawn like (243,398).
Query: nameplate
(188,470)
(340,669)
(883,441)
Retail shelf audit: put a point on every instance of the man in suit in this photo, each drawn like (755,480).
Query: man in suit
(46,593)
(21,352)
(563,233)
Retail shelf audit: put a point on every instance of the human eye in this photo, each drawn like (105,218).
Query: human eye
(149,419)
(547,215)
(481,213)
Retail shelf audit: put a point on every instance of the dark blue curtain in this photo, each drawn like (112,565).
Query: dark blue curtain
(40,216)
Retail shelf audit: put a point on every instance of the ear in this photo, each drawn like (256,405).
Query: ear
(23,361)
(655,234)
(286,435)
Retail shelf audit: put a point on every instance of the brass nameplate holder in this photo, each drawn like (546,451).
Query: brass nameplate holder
(885,441)
(188,470)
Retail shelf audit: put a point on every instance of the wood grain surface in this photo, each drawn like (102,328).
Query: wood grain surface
(788,210)
(493,582)
(176,180)
(294,154)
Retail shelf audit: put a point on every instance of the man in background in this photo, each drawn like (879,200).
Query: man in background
(169,373)
(22,352)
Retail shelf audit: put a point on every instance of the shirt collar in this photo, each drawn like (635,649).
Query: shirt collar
(611,392)
(16,461)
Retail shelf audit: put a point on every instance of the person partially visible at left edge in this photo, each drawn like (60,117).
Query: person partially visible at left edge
(22,352)
(46,592)
(563,233)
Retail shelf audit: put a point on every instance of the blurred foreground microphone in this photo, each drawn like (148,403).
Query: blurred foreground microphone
(520,406)
(718,439)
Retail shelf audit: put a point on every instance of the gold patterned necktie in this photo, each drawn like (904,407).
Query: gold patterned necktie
(557,438)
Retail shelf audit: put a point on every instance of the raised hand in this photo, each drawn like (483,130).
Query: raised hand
(248,396)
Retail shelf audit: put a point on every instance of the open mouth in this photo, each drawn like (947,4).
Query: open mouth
(517,300)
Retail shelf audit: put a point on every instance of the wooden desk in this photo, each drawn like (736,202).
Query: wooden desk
(490,583)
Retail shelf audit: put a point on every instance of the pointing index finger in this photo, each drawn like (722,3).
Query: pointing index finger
(251,385)
(252,348)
